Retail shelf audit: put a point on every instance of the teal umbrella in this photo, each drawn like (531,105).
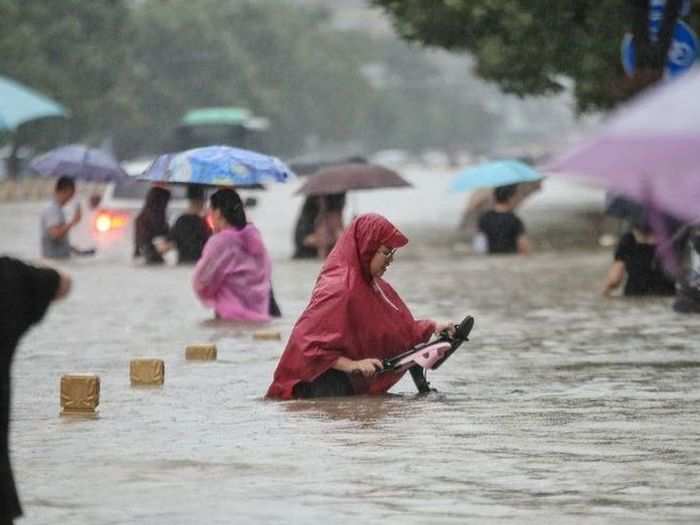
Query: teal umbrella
(19,104)
(493,174)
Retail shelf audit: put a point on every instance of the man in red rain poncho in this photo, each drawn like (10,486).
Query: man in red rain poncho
(353,321)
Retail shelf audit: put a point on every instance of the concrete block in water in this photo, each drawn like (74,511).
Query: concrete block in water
(80,394)
(201,352)
(267,335)
(147,371)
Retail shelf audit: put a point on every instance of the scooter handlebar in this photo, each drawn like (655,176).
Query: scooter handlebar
(462,330)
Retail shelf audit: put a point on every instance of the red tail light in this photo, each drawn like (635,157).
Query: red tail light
(106,221)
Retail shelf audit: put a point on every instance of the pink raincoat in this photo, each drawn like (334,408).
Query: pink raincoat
(233,275)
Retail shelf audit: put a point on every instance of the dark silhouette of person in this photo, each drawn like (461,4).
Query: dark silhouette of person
(190,232)
(25,294)
(152,223)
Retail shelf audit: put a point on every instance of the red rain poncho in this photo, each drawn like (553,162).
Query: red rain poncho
(351,315)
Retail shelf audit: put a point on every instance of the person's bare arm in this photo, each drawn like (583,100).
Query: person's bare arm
(60,231)
(615,276)
(524,245)
(367,367)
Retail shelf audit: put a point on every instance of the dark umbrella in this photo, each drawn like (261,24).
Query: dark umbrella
(80,162)
(312,165)
(348,177)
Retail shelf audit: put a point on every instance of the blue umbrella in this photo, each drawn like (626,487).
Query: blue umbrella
(493,174)
(19,104)
(217,166)
(80,162)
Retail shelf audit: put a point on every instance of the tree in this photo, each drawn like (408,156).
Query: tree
(528,47)
(130,69)
(266,56)
(425,104)
(72,50)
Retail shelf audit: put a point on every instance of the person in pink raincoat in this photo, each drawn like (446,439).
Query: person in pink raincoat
(233,274)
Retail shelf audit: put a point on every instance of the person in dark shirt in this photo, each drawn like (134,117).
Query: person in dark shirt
(152,223)
(635,257)
(502,230)
(25,295)
(191,231)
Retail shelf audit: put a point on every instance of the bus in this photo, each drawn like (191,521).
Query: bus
(228,126)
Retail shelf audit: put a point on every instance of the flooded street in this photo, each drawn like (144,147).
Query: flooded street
(563,408)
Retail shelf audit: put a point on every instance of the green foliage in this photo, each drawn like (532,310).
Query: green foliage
(131,69)
(528,46)
(262,55)
(71,49)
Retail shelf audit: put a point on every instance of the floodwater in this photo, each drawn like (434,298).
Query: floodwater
(563,408)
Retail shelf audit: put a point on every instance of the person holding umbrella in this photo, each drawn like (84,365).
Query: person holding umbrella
(233,274)
(54,227)
(329,187)
(500,229)
(82,163)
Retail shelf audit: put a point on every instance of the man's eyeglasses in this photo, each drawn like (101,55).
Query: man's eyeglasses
(389,253)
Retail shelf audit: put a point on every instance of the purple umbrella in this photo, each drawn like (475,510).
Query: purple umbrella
(80,162)
(649,150)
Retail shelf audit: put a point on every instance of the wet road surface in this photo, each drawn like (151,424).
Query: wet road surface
(563,408)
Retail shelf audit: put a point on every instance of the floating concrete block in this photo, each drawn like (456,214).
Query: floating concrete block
(147,371)
(267,335)
(80,394)
(10,193)
(201,352)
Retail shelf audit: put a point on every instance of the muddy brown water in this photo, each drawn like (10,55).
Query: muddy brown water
(563,408)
